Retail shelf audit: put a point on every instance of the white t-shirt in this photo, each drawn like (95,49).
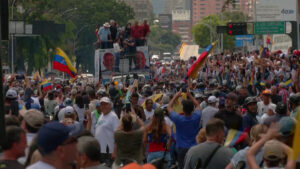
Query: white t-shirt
(263,109)
(149,114)
(105,129)
(40,165)
(80,113)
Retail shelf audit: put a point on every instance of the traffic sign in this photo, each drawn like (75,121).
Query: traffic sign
(269,27)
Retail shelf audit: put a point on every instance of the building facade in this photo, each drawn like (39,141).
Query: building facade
(202,8)
(143,8)
(181,24)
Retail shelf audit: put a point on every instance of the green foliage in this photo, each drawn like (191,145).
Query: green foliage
(201,31)
(80,18)
(161,40)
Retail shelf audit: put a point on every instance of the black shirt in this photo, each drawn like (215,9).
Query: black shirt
(113,31)
(10,164)
(275,98)
(231,119)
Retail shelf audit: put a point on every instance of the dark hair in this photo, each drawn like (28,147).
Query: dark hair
(92,93)
(127,122)
(139,111)
(135,95)
(213,126)
(187,106)
(148,100)
(31,129)
(13,135)
(12,120)
(275,163)
(50,95)
(79,101)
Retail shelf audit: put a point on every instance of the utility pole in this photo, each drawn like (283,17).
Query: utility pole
(3,6)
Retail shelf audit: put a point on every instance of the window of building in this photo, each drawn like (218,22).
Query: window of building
(202,13)
(202,4)
(202,8)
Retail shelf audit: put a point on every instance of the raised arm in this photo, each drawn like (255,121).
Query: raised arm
(170,105)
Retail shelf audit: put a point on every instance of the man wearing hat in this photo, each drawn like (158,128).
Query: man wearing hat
(229,115)
(265,107)
(56,145)
(104,36)
(210,111)
(11,104)
(249,119)
(106,125)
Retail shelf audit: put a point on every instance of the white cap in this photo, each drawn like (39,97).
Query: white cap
(11,94)
(212,99)
(68,110)
(194,81)
(105,100)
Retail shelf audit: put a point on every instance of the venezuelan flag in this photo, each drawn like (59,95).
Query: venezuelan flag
(62,63)
(234,137)
(46,85)
(288,83)
(193,71)
(296,141)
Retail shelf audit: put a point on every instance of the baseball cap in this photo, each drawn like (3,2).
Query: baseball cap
(266,92)
(212,99)
(272,150)
(105,100)
(33,118)
(52,135)
(11,94)
(287,126)
(136,166)
(68,102)
(68,110)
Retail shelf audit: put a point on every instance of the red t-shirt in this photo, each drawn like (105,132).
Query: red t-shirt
(136,32)
(145,29)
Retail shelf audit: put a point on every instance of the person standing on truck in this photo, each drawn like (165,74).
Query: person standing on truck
(131,51)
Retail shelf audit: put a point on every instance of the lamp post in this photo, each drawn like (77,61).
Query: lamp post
(12,39)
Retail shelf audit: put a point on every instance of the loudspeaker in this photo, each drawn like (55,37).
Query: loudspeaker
(4,19)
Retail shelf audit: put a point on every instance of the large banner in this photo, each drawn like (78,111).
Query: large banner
(142,57)
(108,61)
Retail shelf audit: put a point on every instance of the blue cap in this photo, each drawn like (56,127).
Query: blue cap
(288,126)
(51,135)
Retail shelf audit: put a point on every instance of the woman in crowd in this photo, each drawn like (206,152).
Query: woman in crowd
(128,142)
(157,137)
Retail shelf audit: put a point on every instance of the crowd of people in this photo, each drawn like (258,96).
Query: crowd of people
(123,39)
(168,121)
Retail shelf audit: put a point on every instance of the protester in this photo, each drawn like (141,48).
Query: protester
(187,126)
(104,36)
(273,152)
(265,107)
(88,153)
(57,147)
(229,115)
(106,126)
(128,142)
(158,138)
(250,119)
(210,154)
(13,146)
(210,111)
(239,159)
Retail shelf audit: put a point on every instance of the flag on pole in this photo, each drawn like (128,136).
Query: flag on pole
(62,63)
(193,71)
(36,76)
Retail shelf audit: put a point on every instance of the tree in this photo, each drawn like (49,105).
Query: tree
(161,40)
(80,18)
(201,30)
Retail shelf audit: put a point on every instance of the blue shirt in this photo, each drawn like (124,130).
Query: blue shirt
(104,33)
(186,128)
